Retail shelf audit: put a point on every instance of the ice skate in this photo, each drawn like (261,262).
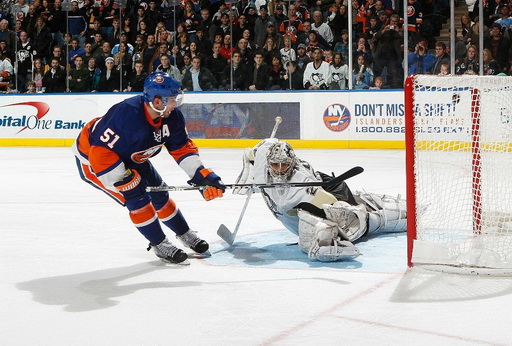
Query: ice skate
(169,253)
(192,241)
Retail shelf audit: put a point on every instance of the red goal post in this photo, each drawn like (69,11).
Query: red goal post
(459,173)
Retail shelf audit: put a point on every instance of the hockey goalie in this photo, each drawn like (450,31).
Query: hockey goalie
(328,219)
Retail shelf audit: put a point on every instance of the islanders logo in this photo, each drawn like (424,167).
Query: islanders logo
(336,117)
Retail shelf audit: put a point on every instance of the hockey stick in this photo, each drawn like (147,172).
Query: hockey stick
(348,174)
(229,237)
(274,130)
(225,233)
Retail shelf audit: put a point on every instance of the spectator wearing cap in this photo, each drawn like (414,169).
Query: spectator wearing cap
(222,26)
(251,14)
(109,78)
(279,14)
(222,9)
(303,58)
(505,20)
(272,33)
(383,18)
(342,45)
(313,42)
(123,38)
(261,23)
(498,45)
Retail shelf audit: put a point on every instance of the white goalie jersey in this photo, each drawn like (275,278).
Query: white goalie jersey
(282,202)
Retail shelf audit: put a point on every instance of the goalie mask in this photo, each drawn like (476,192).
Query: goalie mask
(281,162)
(162,86)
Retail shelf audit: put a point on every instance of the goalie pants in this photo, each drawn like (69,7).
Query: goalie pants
(340,191)
(145,212)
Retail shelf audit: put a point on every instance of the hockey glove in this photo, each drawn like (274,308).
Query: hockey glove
(131,187)
(205,177)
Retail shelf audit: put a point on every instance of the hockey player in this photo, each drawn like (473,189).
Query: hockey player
(327,220)
(113,153)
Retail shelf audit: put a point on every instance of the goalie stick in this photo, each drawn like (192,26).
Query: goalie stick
(229,237)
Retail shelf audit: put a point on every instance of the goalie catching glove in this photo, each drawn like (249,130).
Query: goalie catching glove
(206,177)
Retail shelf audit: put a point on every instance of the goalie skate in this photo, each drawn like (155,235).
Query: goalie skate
(169,253)
(341,250)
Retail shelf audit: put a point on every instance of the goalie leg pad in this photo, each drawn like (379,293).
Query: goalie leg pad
(246,173)
(387,213)
(322,240)
(350,219)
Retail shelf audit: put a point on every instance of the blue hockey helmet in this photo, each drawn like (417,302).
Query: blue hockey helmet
(162,85)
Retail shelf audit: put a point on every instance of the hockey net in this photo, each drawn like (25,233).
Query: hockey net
(459,173)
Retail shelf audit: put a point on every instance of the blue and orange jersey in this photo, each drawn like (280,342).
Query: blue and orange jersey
(127,134)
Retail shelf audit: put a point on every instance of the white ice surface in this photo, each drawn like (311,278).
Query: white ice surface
(74,271)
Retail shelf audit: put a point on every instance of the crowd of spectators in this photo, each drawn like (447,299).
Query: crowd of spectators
(111,45)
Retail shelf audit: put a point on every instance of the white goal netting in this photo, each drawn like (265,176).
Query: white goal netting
(462,170)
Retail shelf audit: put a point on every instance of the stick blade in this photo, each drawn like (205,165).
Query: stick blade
(225,234)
